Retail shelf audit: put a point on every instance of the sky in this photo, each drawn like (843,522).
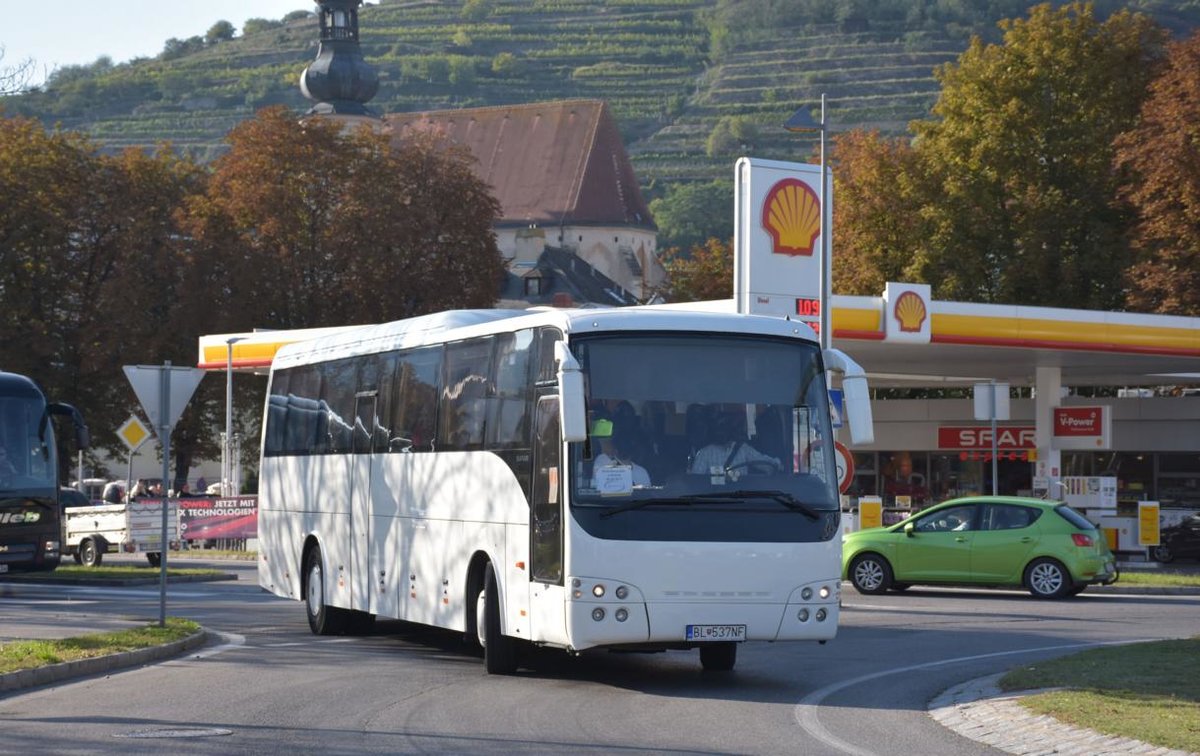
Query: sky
(72,32)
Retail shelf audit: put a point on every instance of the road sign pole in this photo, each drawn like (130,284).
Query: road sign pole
(165,436)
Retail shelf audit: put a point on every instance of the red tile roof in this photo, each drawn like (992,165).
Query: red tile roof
(549,163)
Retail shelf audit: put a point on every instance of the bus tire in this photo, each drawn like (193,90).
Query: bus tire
(718,657)
(322,618)
(90,553)
(499,650)
(154,558)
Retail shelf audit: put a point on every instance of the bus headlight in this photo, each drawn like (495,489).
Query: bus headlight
(598,613)
(802,615)
(622,614)
(622,592)
(598,590)
(806,594)
(820,615)
(824,592)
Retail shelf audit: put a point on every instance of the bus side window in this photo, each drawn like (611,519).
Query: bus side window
(509,408)
(464,395)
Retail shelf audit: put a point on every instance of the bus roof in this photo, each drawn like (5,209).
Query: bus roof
(462,324)
(12,384)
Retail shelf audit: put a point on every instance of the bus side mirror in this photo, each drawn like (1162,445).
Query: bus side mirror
(83,439)
(856,393)
(572,407)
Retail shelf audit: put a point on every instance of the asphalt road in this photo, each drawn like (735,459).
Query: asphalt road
(271,687)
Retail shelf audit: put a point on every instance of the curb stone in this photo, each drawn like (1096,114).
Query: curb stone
(52,673)
(979,711)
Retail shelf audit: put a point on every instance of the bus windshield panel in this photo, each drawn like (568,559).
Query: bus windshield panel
(27,455)
(704,420)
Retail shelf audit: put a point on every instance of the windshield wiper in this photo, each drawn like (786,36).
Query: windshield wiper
(724,497)
(783,497)
(639,503)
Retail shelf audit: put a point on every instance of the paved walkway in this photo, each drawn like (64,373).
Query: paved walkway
(978,710)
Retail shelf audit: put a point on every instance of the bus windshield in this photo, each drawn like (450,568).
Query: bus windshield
(708,419)
(27,456)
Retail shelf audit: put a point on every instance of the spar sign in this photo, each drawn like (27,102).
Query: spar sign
(1082,428)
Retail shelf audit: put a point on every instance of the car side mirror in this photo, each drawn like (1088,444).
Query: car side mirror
(909,531)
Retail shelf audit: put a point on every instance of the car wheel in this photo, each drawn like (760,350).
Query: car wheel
(1047,579)
(1162,553)
(322,619)
(154,558)
(499,651)
(871,574)
(90,554)
(718,657)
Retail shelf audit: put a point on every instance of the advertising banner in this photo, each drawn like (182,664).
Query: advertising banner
(870,512)
(224,517)
(980,437)
(1082,428)
(1148,523)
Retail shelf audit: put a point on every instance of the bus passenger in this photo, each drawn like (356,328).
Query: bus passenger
(618,449)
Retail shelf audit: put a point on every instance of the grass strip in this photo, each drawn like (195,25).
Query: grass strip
(1161,579)
(1146,691)
(30,654)
(122,572)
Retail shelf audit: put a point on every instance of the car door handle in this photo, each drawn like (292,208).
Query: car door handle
(1026,539)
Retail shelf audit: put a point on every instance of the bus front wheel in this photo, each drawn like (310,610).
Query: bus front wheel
(322,619)
(499,650)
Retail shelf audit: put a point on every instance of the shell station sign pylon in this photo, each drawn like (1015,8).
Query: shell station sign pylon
(778,224)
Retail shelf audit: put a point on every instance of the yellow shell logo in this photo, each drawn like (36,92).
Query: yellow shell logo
(910,312)
(792,216)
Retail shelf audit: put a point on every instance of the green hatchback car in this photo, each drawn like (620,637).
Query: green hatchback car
(1044,546)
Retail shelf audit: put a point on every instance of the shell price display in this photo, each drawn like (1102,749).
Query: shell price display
(808,308)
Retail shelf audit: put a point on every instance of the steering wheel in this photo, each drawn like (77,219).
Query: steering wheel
(757,466)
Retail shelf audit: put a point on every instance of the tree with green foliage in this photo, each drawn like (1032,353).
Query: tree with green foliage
(732,134)
(1021,152)
(221,31)
(690,214)
(1161,159)
(477,10)
(256,25)
(506,64)
(462,72)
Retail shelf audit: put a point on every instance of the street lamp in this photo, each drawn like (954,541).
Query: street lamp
(801,121)
(226,443)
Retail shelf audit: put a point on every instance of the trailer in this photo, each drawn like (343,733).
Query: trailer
(131,528)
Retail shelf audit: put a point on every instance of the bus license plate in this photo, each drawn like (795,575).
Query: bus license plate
(716,632)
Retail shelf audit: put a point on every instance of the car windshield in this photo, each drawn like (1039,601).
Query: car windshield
(704,421)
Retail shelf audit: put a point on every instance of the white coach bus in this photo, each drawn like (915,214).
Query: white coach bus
(627,479)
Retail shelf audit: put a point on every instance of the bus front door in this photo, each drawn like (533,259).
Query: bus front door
(547,594)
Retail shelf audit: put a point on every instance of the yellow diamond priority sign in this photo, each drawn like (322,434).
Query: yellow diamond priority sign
(133,433)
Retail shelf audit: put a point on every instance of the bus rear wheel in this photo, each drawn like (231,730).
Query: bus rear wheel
(322,619)
(499,650)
